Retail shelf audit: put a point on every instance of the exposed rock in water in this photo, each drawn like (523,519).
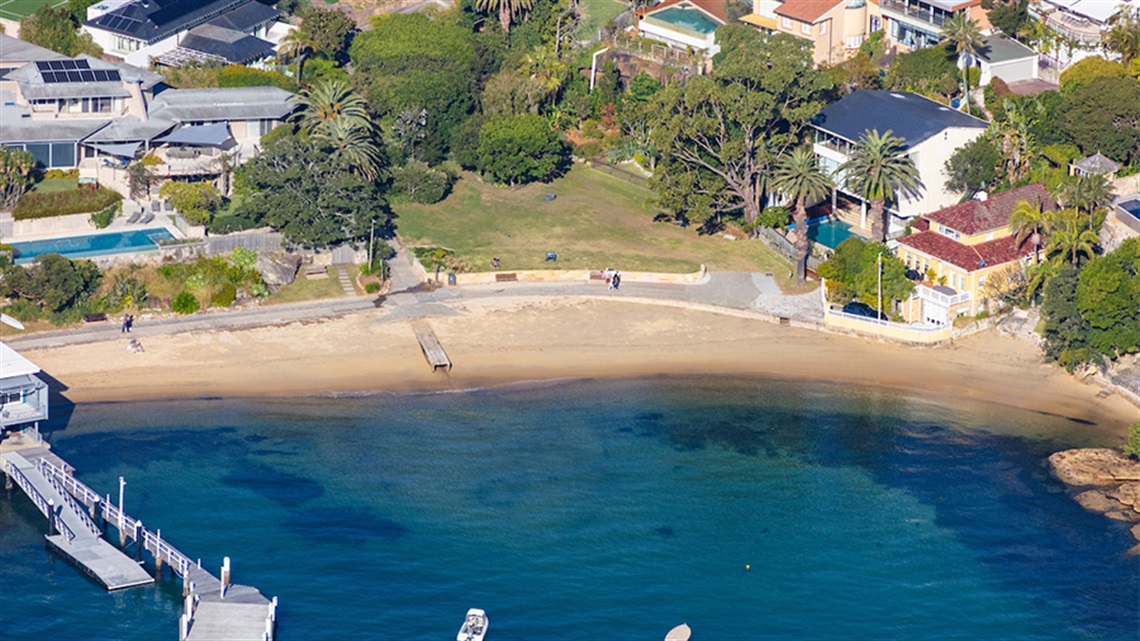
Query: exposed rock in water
(1107,482)
(278,270)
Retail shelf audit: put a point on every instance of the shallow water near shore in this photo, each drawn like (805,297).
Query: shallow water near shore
(594,510)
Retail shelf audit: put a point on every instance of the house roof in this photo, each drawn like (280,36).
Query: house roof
(976,216)
(213,105)
(246,17)
(1097,164)
(214,134)
(13,365)
(230,45)
(908,115)
(1099,10)
(153,20)
(79,77)
(969,258)
(131,129)
(715,8)
(14,51)
(996,49)
(18,129)
(807,10)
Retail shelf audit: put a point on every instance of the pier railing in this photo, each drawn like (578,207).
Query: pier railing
(152,542)
(45,506)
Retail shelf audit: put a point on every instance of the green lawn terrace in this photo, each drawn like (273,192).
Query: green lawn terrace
(16,10)
(595,221)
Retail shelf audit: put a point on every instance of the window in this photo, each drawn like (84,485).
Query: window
(822,28)
(805,28)
(264,127)
(990,235)
(786,22)
(63,154)
(854,42)
(982,281)
(951,233)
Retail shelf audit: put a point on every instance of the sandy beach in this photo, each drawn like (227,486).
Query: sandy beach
(495,341)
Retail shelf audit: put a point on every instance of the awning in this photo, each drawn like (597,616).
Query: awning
(214,135)
(758,20)
(123,150)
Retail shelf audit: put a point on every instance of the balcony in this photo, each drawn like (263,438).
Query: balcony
(1084,32)
(945,300)
(921,12)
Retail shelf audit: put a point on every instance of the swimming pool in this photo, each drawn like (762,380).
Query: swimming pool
(686,17)
(830,233)
(121,242)
(1131,206)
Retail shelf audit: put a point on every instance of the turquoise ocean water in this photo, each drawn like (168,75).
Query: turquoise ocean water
(594,510)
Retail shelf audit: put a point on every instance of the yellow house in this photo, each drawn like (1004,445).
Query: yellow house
(836,27)
(966,253)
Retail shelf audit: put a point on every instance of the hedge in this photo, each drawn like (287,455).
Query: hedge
(61,203)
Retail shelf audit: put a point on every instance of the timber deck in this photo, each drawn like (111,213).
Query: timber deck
(431,347)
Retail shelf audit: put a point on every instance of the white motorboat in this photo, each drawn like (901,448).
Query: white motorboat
(474,626)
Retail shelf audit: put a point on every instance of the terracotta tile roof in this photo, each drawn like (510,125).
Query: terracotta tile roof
(717,8)
(806,10)
(970,258)
(977,216)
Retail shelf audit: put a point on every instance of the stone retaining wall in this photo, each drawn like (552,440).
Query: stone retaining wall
(564,275)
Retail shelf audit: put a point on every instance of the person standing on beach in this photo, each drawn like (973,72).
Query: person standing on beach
(617,280)
(129,322)
(126,324)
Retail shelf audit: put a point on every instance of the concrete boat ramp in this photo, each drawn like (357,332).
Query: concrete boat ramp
(213,608)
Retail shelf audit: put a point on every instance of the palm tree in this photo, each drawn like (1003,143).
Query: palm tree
(1028,221)
(1088,193)
(507,9)
(354,144)
(800,178)
(296,44)
(1124,37)
(328,101)
(544,66)
(879,170)
(1015,129)
(961,33)
(1069,239)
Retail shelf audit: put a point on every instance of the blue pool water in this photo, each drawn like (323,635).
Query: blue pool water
(1131,206)
(687,18)
(92,244)
(603,510)
(830,233)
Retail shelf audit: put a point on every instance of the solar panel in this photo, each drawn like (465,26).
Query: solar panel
(43,66)
(73,76)
(81,64)
(48,76)
(87,76)
(114,75)
(56,64)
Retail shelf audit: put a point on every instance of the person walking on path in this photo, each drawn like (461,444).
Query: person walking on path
(130,323)
(126,327)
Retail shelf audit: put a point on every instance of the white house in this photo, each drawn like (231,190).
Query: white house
(23,395)
(685,23)
(178,31)
(1080,24)
(931,131)
(1008,59)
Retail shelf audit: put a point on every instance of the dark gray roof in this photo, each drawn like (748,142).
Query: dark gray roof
(214,135)
(1097,163)
(998,48)
(907,115)
(154,20)
(229,45)
(28,130)
(247,17)
(131,129)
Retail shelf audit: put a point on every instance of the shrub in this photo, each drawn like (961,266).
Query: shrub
(242,76)
(372,288)
(185,303)
(1132,447)
(420,183)
(150,160)
(197,201)
(225,296)
(103,219)
(243,257)
(55,174)
(61,203)
(588,150)
(260,290)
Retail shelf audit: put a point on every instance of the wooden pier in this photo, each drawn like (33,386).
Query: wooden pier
(213,608)
(429,344)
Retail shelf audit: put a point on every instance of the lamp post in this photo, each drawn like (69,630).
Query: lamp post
(879,260)
(122,483)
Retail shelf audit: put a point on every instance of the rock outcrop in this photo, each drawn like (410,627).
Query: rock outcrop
(1105,481)
(278,270)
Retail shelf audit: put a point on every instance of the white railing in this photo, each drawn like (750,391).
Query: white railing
(946,300)
(44,506)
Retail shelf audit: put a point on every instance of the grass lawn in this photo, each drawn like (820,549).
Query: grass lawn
(596,14)
(596,221)
(304,289)
(49,185)
(17,9)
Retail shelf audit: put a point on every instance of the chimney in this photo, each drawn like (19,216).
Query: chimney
(136,105)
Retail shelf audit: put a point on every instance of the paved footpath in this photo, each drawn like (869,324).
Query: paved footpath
(414,297)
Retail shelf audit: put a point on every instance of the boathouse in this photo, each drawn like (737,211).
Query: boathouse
(23,395)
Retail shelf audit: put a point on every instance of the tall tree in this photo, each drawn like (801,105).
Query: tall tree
(295,46)
(328,101)
(1108,296)
(1088,194)
(962,35)
(974,166)
(56,29)
(311,196)
(880,170)
(1014,127)
(1103,115)
(329,31)
(1029,222)
(352,144)
(1124,37)
(507,9)
(799,177)
(16,167)
(1069,240)
(720,134)
(521,149)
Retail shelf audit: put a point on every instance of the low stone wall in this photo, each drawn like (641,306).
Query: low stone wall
(570,275)
(886,329)
(51,225)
